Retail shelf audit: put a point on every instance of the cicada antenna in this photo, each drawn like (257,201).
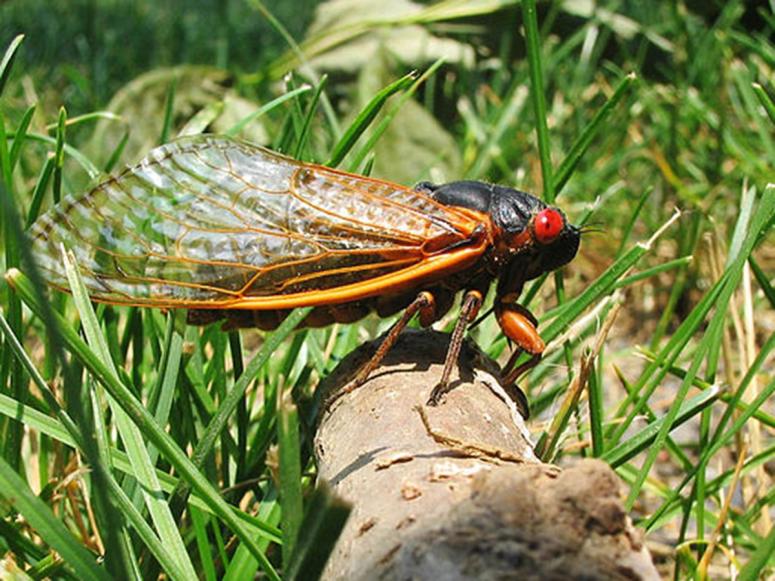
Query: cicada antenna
(592,228)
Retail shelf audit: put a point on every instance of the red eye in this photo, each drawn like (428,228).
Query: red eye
(547,225)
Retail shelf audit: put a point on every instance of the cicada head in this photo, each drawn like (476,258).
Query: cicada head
(533,238)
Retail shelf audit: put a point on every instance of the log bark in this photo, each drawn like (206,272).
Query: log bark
(455,491)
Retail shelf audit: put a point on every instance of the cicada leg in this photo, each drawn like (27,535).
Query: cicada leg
(425,304)
(519,325)
(472,302)
(511,375)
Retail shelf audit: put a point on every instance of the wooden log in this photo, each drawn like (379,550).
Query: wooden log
(455,491)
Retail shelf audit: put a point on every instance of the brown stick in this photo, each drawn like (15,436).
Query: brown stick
(455,492)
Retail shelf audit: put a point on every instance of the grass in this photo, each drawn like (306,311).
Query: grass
(138,446)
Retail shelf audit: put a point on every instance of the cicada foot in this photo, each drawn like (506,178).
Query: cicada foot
(425,306)
(510,388)
(437,394)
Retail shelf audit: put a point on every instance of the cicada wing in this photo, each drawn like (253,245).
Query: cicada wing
(208,222)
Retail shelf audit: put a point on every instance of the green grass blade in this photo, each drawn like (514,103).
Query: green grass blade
(737,397)
(761,557)
(288,137)
(131,435)
(533,47)
(627,450)
(202,119)
(240,125)
(243,419)
(596,412)
(763,281)
(290,473)
(199,523)
(144,532)
(91,169)
(761,218)
(312,108)
(40,190)
(15,492)
(120,556)
(19,543)
(235,395)
(226,409)
(720,437)
(633,219)
(491,137)
(65,421)
(154,394)
(367,116)
(653,271)
(45,424)
(323,523)
(169,110)
(116,155)
(52,428)
(388,118)
(674,504)
(741,225)
(10,369)
(6,65)
(148,426)
(765,100)
(168,378)
(737,425)
(86,118)
(58,429)
(20,135)
(243,565)
(676,452)
(571,161)
(650,378)
(760,415)
(59,154)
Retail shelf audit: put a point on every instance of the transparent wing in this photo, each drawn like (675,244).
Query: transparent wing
(210,222)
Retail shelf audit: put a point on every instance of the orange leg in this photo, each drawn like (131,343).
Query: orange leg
(424,304)
(519,325)
(472,301)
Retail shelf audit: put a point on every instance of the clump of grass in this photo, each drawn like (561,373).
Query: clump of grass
(185,431)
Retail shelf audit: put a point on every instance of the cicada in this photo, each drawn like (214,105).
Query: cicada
(230,230)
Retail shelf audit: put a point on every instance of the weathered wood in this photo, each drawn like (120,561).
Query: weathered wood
(455,491)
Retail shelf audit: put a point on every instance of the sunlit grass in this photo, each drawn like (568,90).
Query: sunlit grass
(197,440)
